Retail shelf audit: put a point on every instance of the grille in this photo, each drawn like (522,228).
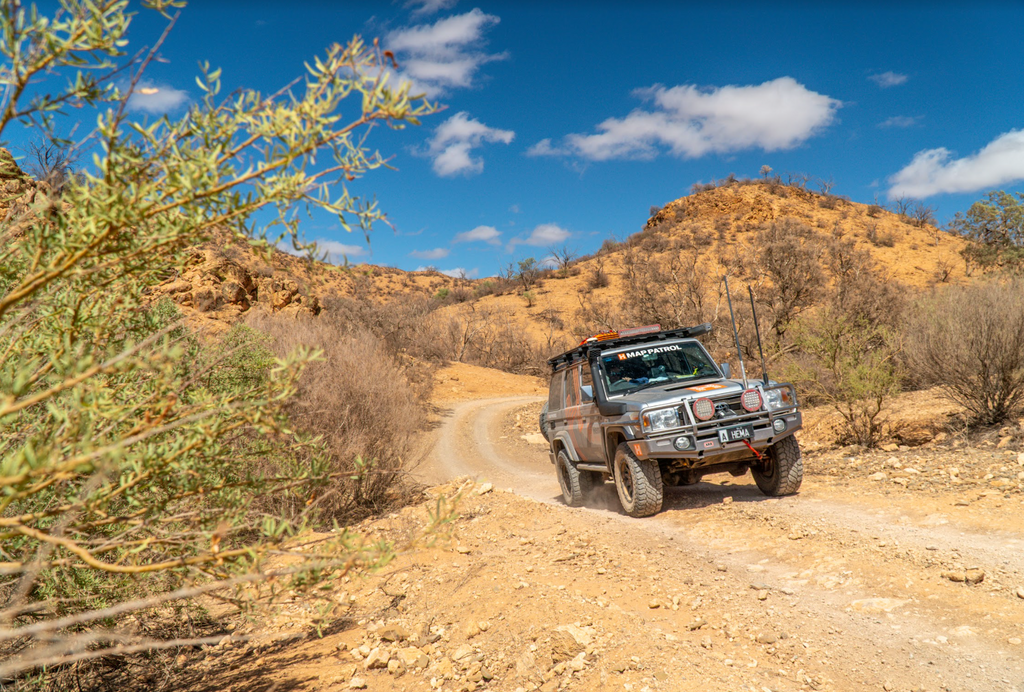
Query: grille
(728,410)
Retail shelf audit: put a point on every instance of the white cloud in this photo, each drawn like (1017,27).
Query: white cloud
(888,79)
(900,121)
(436,253)
(156,99)
(934,171)
(544,148)
(425,7)
(692,122)
(543,235)
(336,252)
(453,142)
(487,234)
(460,273)
(444,55)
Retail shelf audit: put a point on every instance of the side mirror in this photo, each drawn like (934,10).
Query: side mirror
(726,370)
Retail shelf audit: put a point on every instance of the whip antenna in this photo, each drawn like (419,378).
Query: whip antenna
(757,330)
(736,334)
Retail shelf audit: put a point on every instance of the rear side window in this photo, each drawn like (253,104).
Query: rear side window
(572,387)
(555,392)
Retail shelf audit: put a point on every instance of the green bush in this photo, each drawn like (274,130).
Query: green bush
(850,364)
(132,457)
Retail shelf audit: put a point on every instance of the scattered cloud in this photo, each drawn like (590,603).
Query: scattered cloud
(336,252)
(514,209)
(888,79)
(453,142)
(544,148)
(934,171)
(436,253)
(444,55)
(339,252)
(900,121)
(427,7)
(692,122)
(541,236)
(487,234)
(155,99)
(460,273)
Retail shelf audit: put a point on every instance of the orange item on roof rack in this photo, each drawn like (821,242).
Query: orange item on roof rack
(603,336)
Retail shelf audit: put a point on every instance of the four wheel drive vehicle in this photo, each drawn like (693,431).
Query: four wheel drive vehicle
(647,408)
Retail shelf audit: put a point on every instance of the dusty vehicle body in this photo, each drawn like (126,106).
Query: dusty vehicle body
(652,408)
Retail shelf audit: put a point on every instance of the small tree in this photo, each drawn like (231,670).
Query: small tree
(564,257)
(766,171)
(528,273)
(51,161)
(923,215)
(995,228)
(901,206)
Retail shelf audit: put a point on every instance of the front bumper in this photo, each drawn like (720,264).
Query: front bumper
(708,448)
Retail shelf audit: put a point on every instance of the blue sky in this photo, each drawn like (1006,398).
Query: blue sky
(565,122)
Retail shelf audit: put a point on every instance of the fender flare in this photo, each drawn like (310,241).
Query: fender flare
(562,438)
(626,431)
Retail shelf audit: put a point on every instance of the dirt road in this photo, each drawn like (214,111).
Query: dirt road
(856,588)
(890,571)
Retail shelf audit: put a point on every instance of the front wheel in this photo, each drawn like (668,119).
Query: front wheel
(782,468)
(638,483)
(576,484)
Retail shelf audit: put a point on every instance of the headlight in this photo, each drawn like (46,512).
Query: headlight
(665,419)
(775,399)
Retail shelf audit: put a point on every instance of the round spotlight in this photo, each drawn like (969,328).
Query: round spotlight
(704,409)
(682,443)
(751,400)
(779,425)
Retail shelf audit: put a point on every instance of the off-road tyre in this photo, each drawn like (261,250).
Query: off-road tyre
(782,470)
(545,430)
(638,483)
(576,485)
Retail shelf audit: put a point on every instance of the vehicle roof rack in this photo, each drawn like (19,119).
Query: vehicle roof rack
(582,352)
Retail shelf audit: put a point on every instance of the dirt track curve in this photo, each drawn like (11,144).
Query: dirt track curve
(860,590)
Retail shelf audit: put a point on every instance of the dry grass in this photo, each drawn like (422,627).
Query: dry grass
(363,403)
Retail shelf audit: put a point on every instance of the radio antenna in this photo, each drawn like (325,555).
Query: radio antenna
(757,330)
(736,334)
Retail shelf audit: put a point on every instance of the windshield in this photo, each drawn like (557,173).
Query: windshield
(628,370)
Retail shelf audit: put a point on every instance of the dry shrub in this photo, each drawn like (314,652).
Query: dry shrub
(362,404)
(490,338)
(880,239)
(597,278)
(677,289)
(969,341)
(786,257)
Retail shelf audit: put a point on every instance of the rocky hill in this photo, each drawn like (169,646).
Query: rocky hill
(723,227)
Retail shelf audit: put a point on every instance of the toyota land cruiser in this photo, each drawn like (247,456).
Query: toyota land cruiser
(649,408)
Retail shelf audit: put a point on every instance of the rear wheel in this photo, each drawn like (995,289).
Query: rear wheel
(576,484)
(638,483)
(782,468)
